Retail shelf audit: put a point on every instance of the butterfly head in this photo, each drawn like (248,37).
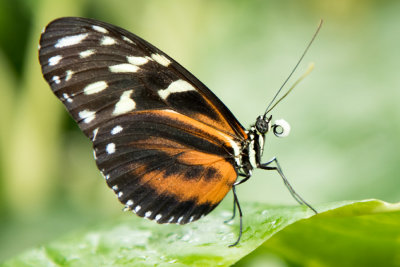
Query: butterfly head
(280,128)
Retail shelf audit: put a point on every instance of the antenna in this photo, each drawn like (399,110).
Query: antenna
(294,69)
(305,74)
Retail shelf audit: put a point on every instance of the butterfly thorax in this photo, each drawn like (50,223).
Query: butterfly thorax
(253,146)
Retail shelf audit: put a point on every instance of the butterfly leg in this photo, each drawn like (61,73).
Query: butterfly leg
(297,197)
(233,213)
(236,200)
(246,177)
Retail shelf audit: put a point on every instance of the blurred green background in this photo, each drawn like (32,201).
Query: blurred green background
(345,116)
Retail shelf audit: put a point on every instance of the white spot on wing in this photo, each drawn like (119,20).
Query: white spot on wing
(147,214)
(158,217)
(137,208)
(235,147)
(191,218)
(87,115)
(54,60)
(116,129)
(125,67)
(56,79)
(115,187)
(160,59)
(99,29)
(137,60)
(86,53)
(126,39)
(129,202)
(95,131)
(68,75)
(70,40)
(120,194)
(94,154)
(171,219)
(125,103)
(95,87)
(107,40)
(178,86)
(66,97)
(179,220)
(110,148)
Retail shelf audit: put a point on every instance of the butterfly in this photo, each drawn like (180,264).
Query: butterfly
(165,144)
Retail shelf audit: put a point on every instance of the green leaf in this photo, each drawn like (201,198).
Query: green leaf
(365,233)
(131,241)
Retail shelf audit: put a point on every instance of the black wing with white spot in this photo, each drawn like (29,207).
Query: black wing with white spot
(165,143)
(97,68)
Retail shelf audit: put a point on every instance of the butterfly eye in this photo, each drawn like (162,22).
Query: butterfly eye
(281,128)
(263,125)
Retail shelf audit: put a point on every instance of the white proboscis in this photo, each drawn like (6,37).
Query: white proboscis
(281,128)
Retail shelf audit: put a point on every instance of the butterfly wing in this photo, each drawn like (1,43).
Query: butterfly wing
(165,165)
(165,143)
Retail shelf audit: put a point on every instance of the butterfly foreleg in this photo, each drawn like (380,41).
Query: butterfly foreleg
(277,167)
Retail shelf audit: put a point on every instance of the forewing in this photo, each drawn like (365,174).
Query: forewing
(101,71)
(165,143)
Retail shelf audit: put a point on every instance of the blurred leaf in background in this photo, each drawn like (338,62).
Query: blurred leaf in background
(345,116)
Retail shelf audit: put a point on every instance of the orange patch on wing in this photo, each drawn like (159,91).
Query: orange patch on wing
(194,127)
(184,154)
(201,190)
(194,157)
(210,186)
(221,125)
